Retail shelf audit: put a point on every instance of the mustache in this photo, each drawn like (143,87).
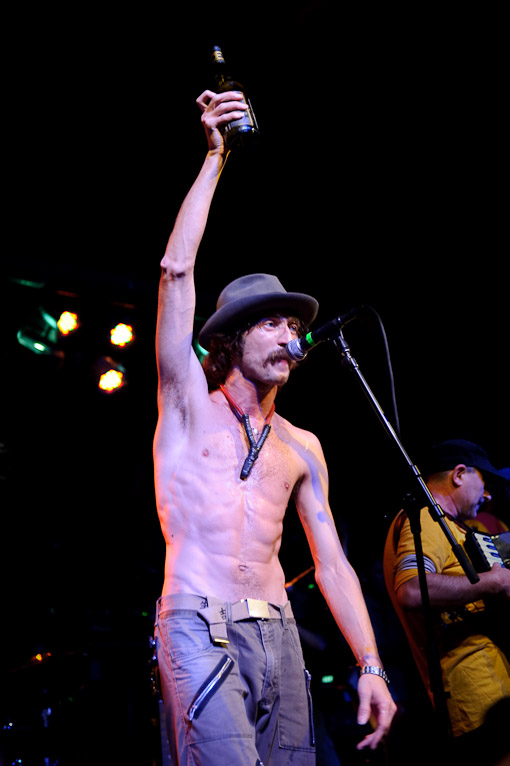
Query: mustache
(279,355)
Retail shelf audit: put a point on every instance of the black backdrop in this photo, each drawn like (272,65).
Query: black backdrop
(378,181)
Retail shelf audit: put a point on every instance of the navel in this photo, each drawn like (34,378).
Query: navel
(205,452)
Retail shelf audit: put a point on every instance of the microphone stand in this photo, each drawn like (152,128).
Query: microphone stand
(412,505)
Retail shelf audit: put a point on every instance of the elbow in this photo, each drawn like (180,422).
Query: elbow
(172,271)
(340,574)
(177,262)
(179,258)
(174,280)
(409,596)
(321,578)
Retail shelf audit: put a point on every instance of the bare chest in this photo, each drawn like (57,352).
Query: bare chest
(254,457)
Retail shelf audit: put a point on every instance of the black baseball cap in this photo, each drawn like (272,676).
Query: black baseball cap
(447,454)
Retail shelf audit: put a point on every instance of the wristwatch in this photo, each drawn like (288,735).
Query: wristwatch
(375,670)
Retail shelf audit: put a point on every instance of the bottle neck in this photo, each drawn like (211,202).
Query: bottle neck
(221,74)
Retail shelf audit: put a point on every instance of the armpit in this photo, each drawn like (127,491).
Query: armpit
(172,397)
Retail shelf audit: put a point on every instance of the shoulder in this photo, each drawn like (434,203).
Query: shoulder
(309,458)
(302,440)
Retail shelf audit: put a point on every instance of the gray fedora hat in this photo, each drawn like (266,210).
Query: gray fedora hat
(254,296)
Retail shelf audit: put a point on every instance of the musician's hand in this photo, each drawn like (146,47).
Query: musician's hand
(497,581)
(376,704)
(218,109)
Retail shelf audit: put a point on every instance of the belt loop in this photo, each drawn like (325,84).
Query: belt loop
(284,617)
(228,610)
(215,616)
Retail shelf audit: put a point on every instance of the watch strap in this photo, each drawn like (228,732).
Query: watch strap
(374,670)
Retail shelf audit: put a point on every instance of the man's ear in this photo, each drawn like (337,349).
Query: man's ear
(457,475)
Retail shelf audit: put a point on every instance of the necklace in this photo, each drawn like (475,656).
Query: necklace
(255,446)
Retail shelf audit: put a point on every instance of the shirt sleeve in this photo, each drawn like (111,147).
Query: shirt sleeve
(437,552)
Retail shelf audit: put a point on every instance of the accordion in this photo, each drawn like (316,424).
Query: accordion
(485,550)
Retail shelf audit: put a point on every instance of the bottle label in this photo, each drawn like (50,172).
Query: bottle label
(246,124)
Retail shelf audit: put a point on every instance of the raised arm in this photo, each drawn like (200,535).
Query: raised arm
(340,587)
(176,306)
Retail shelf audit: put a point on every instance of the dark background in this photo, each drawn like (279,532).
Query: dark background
(378,181)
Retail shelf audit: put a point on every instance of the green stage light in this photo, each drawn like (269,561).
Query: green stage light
(199,351)
(40,334)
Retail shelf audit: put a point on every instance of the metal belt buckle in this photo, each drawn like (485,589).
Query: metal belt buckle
(258,609)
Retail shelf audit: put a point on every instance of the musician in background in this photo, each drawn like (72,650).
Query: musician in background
(475,665)
(494,518)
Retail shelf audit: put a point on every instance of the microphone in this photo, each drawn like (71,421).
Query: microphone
(298,348)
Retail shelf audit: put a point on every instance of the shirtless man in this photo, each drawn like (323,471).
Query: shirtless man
(235,688)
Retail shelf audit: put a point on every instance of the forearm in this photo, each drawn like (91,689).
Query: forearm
(189,227)
(217,111)
(342,591)
(445,591)
(344,596)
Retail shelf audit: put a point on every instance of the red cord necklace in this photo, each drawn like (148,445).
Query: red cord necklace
(255,446)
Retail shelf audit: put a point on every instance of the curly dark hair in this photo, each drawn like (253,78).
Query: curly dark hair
(225,348)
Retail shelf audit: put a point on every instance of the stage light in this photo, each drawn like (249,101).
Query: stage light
(110,376)
(68,322)
(40,334)
(111,381)
(121,334)
(199,351)
(42,331)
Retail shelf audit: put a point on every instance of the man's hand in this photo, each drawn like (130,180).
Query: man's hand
(219,109)
(497,581)
(374,699)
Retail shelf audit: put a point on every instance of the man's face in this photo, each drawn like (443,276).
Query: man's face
(264,357)
(474,494)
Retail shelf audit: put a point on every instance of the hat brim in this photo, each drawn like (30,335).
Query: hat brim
(233,314)
(488,468)
(505,473)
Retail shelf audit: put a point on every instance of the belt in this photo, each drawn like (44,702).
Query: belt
(218,614)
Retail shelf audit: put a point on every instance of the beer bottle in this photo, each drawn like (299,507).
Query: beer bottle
(238,132)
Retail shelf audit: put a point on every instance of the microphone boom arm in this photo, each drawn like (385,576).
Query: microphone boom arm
(435,510)
(413,507)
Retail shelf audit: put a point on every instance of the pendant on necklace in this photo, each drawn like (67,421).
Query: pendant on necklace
(255,446)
